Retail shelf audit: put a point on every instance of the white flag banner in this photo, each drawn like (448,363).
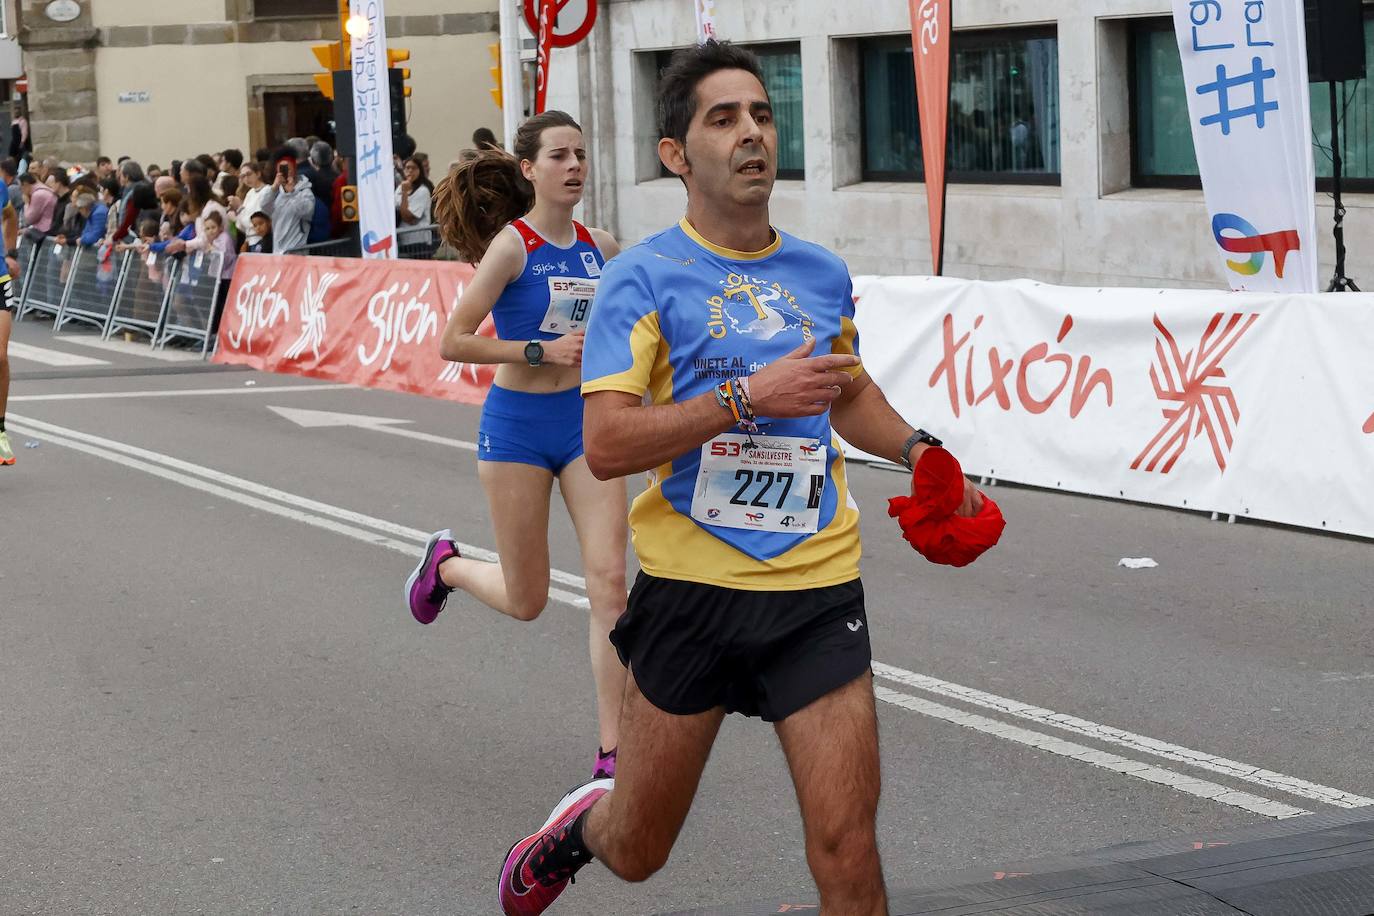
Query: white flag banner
(706,20)
(1245,74)
(372,170)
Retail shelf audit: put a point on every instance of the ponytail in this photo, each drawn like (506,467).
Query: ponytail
(478,198)
(486,190)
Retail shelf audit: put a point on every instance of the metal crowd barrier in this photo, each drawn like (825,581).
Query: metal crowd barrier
(417,243)
(191,311)
(141,297)
(27,251)
(334,248)
(93,282)
(47,285)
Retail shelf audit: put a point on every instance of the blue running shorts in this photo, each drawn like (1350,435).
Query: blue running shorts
(523,427)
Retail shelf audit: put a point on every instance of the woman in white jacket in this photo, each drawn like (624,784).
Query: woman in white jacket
(252,195)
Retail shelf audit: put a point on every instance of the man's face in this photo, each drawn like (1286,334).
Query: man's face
(731,150)
(104,169)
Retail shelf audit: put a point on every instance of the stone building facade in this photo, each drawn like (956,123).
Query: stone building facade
(159,80)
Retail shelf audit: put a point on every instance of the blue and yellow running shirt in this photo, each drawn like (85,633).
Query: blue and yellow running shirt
(675,316)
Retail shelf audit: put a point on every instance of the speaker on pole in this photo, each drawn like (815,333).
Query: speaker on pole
(1335,40)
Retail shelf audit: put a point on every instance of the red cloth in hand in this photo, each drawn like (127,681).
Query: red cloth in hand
(927,516)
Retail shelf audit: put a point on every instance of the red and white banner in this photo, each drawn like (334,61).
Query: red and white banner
(1248,404)
(371,323)
(1245,72)
(931,35)
(548,14)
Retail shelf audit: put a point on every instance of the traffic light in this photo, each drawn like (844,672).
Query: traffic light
(332,56)
(348,198)
(495,72)
(396,56)
(399,91)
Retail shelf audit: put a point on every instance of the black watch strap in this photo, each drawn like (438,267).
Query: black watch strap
(920,436)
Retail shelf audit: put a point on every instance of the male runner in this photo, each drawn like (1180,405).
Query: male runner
(742,337)
(9,302)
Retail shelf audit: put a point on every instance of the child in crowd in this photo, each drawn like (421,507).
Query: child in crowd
(262,228)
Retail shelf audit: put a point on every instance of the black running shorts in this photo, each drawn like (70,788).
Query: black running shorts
(8,301)
(694,647)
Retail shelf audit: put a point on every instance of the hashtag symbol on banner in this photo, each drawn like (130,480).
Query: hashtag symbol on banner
(1188,383)
(1223,86)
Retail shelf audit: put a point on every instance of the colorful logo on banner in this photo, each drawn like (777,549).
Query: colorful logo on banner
(374,245)
(1245,73)
(375,177)
(930,43)
(1252,242)
(1191,385)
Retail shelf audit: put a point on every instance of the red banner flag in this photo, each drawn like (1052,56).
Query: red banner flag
(931,34)
(548,15)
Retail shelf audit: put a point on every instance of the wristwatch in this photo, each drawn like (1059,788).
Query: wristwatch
(920,436)
(534,353)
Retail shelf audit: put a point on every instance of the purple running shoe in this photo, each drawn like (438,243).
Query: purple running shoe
(540,866)
(605,764)
(425,591)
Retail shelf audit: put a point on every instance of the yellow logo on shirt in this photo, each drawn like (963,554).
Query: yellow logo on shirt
(755,308)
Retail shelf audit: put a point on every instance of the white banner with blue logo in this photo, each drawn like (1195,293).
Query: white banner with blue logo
(1245,74)
(373,171)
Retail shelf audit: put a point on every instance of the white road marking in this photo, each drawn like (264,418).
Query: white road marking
(355,524)
(140,349)
(112,450)
(175,392)
(324,419)
(47,357)
(1107,761)
(1112,735)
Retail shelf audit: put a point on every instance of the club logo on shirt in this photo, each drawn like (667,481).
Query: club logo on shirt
(589,262)
(755,308)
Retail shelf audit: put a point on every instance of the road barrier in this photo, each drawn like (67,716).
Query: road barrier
(141,298)
(92,283)
(1246,404)
(191,308)
(47,285)
(370,323)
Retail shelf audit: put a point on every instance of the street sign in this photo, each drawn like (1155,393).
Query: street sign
(575,20)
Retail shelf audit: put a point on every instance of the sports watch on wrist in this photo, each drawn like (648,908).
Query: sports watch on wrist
(534,353)
(920,436)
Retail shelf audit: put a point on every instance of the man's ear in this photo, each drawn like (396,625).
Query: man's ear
(673,154)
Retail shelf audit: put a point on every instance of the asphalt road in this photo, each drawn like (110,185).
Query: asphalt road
(215,700)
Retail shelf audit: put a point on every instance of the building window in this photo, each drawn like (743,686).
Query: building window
(782,74)
(294,9)
(1003,113)
(1162,152)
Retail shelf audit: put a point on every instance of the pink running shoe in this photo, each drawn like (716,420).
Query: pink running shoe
(539,867)
(426,593)
(605,764)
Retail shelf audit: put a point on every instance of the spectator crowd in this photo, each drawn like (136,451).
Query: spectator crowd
(280,201)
